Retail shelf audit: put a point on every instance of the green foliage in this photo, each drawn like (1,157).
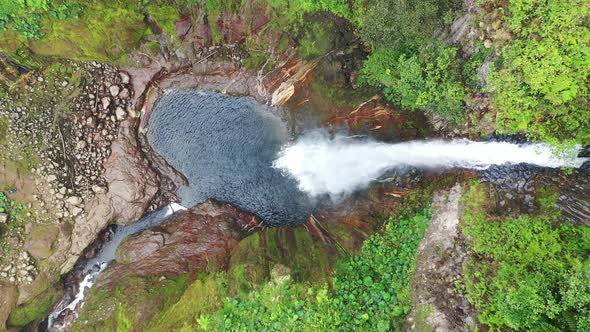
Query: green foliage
(429,80)
(376,284)
(398,24)
(370,290)
(26,16)
(541,87)
(13,228)
(527,270)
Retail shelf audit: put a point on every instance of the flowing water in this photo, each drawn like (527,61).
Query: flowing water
(340,165)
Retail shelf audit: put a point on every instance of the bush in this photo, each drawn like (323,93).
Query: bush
(398,24)
(429,80)
(527,270)
(541,87)
(25,16)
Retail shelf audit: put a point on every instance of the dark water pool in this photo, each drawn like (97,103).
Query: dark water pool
(225,146)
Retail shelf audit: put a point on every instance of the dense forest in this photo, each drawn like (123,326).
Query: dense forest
(505,68)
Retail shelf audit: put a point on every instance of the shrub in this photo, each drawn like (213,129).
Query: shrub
(527,270)
(429,80)
(541,87)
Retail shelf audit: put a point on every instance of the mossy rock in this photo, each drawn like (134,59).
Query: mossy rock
(130,304)
(36,309)
(307,257)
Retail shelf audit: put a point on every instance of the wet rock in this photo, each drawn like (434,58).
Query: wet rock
(188,241)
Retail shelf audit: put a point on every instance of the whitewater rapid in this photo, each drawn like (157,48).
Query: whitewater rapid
(340,165)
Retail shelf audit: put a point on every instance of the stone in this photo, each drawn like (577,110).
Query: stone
(74,200)
(40,79)
(487,43)
(124,78)
(51,178)
(76,211)
(3,218)
(120,114)
(106,101)
(188,241)
(114,90)
(98,189)
(64,83)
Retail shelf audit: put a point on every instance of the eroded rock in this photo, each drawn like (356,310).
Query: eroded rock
(188,241)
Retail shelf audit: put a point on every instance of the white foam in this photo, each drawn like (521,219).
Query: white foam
(340,165)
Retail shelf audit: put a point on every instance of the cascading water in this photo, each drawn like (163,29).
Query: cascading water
(341,165)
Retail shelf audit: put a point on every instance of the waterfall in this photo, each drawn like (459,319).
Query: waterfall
(341,165)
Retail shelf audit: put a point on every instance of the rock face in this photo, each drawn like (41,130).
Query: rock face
(439,263)
(131,186)
(189,241)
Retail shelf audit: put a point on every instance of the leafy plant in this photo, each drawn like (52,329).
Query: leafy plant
(527,270)
(541,86)
(429,80)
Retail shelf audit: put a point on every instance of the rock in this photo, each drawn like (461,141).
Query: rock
(124,77)
(120,114)
(487,43)
(188,241)
(114,90)
(64,83)
(40,79)
(74,200)
(124,93)
(7,302)
(131,186)
(3,218)
(76,211)
(51,178)
(98,189)
(106,101)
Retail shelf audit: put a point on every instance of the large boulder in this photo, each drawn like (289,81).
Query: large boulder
(190,240)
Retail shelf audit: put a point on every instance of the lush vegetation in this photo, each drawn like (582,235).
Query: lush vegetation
(25,16)
(527,271)
(370,290)
(399,24)
(541,85)
(428,80)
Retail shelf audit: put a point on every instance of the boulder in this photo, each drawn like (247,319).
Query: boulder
(7,302)
(188,241)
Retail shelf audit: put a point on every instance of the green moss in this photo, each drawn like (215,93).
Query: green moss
(204,295)
(307,257)
(317,39)
(130,304)
(423,312)
(105,31)
(37,308)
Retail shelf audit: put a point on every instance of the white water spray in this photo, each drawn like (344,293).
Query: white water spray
(341,165)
